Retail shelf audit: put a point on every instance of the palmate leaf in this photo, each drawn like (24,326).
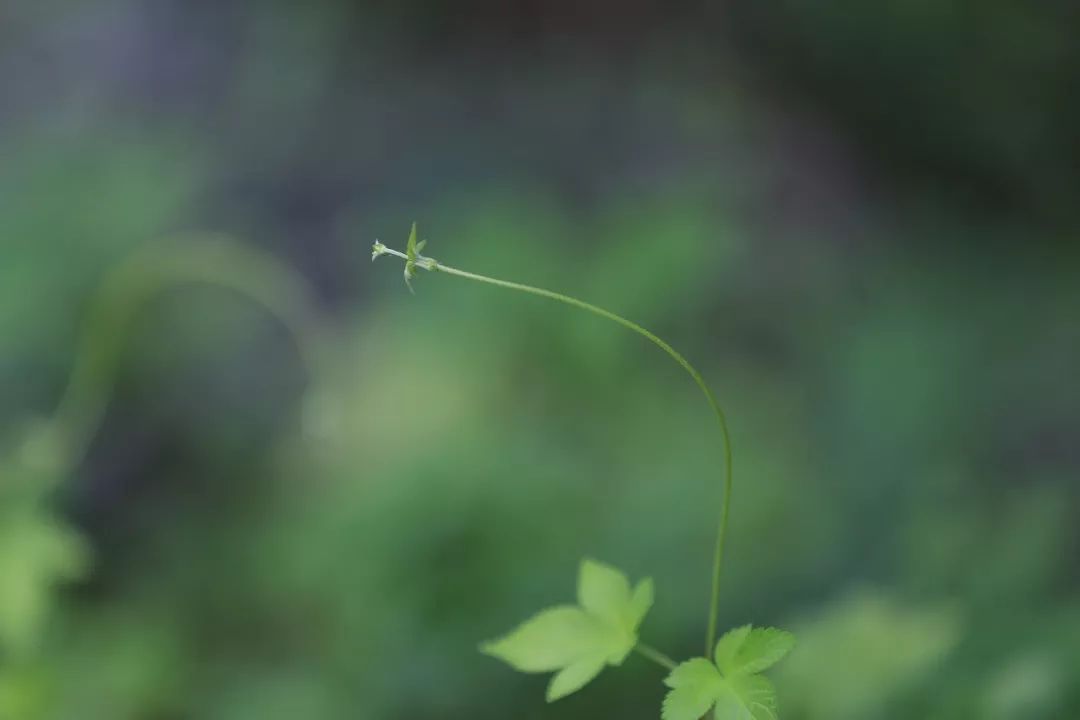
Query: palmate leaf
(605,593)
(575,676)
(752,650)
(747,697)
(695,686)
(578,641)
(550,640)
(731,686)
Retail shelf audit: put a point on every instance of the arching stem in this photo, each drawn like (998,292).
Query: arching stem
(721,532)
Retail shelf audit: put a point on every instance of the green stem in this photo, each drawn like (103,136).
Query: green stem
(721,533)
(213,260)
(655,655)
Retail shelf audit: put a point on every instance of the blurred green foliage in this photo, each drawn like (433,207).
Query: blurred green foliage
(893,336)
(863,650)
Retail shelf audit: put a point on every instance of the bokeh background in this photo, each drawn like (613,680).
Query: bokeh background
(246,475)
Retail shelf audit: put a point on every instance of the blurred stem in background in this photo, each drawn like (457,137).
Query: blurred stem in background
(413,260)
(38,550)
(202,259)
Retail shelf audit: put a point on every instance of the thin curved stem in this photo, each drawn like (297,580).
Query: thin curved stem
(204,259)
(721,533)
(647,651)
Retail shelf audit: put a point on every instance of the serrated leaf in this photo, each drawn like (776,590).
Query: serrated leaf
(695,686)
(764,648)
(731,685)
(727,647)
(579,640)
(755,698)
(752,650)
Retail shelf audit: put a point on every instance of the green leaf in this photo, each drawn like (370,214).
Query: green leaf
(550,640)
(578,641)
(727,647)
(410,247)
(732,686)
(753,697)
(752,650)
(37,553)
(764,648)
(695,686)
(640,603)
(575,676)
(411,253)
(603,591)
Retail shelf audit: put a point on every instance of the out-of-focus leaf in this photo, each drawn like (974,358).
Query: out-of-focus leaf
(37,553)
(579,641)
(857,654)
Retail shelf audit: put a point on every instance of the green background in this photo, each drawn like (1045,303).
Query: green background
(857,219)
